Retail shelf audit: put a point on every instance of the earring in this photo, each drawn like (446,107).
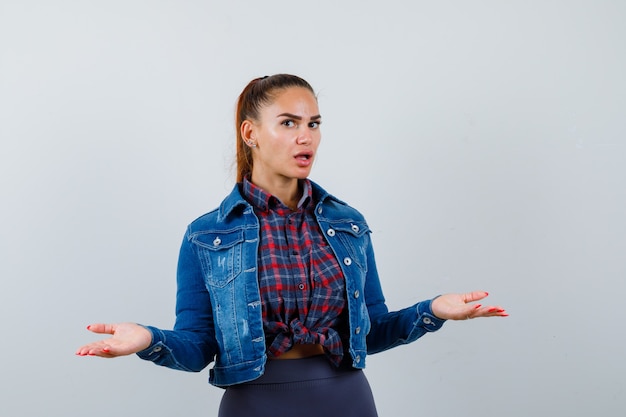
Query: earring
(251,144)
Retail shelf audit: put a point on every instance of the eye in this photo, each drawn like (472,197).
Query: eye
(316,124)
(288,123)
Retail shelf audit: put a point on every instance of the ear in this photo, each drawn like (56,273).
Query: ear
(247,131)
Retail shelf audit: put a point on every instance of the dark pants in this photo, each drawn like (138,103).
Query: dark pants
(301,388)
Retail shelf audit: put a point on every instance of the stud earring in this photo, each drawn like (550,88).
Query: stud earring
(251,144)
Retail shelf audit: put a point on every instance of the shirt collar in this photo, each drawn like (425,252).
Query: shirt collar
(265,201)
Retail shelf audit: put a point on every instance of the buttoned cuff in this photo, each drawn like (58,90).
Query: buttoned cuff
(157,347)
(426,318)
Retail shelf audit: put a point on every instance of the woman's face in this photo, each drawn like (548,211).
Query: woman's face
(286,135)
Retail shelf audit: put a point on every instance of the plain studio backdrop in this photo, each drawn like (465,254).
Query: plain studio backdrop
(485,142)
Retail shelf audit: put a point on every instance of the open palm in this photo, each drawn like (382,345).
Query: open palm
(462,307)
(126,339)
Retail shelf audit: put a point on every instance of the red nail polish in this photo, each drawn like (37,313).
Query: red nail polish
(89,327)
(491,310)
(478,306)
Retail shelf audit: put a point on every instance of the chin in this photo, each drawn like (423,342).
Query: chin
(303,175)
(300,173)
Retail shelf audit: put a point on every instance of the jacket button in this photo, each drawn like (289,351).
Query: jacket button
(357,330)
(301,286)
(217,241)
(156,349)
(319,210)
(427,320)
(356,294)
(357,359)
(347,261)
(330,232)
(355,228)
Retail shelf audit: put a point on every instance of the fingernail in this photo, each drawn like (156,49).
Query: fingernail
(478,306)
(89,327)
(486,293)
(491,310)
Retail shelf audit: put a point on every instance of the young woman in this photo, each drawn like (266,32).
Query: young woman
(278,286)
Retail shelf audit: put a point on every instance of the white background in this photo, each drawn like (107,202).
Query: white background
(485,141)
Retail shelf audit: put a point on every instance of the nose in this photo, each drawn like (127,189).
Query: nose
(304,137)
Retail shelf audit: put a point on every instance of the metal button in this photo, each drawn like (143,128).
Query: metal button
(156,349)
(356,294)
(427,320)
(330,232)
(355,228)
(217,241)
(357,330)
(357,359)
(301,286)
(319,210)
(347,261)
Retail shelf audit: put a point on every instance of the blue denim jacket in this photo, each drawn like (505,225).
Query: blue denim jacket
(218,307)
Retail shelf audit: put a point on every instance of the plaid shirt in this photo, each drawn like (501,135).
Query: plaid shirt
(301,283)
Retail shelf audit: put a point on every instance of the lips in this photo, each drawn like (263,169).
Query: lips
(304,158)
(304,155)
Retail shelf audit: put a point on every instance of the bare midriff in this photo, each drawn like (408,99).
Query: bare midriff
(301,351)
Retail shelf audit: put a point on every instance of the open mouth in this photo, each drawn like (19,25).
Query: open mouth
(304,156)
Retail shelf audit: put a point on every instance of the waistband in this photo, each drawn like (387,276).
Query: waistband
(279,371)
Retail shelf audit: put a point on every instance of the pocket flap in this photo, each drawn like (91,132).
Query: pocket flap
(218,240)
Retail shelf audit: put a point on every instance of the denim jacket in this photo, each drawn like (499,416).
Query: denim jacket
(218,306)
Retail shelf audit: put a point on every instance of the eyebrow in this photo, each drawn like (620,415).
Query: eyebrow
(293,116)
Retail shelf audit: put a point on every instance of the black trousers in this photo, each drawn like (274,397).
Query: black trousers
(301,388)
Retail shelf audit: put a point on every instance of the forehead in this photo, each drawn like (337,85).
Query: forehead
(294,98)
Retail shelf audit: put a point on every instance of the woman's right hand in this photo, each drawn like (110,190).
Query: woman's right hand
(126,339)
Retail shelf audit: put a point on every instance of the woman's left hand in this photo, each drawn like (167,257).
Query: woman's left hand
(462,307)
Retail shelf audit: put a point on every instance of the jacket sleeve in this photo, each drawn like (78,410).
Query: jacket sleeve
(390,329)
(191,345)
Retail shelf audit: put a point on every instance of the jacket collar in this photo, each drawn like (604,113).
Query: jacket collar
(235,202)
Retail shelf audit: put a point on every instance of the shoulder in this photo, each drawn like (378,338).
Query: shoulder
(332,208)
(227,215)
(205,221)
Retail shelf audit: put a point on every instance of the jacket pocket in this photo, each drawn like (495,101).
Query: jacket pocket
(353,238)
(220,255)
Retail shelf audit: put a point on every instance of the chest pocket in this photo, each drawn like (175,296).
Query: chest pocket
(352,236)
(220,255)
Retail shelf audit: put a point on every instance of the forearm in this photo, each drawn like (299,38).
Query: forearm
(182,350)
(390,329)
